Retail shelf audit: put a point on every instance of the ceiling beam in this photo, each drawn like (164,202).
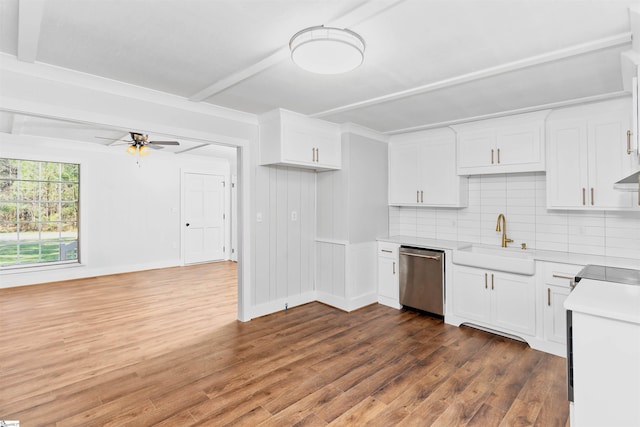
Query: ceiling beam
(29,23)
(550,106)
(556,55)
(360,14)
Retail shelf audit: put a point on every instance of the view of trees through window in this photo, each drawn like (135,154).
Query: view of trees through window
(39,207)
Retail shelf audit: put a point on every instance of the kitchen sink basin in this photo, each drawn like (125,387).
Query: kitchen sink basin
(510,260)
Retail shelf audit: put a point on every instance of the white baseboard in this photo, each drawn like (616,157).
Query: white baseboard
(282,304)
(61,272)
(347,304)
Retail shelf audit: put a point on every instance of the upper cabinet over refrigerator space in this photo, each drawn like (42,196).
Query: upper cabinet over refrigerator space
(292,139)
(588,152)
(502,145)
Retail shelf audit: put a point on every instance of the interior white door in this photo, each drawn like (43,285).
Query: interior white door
(204,218)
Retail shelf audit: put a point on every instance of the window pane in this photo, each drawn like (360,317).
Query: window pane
(8,189)
(50,171)
(8,252)
(50,211)
(29,190)
(50,191)
(69,212)
(9,212)
(48,228)
(28,251)
(69,192)
(50,250)
(69,229)
(29,170)
(68,249)
(28,212)
(8,168)
(70,172)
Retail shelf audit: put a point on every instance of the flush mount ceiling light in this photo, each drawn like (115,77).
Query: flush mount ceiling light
(327,50)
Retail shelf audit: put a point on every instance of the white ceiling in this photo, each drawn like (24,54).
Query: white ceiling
(427,62)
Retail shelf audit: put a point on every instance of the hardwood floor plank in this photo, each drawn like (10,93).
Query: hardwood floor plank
(163,347)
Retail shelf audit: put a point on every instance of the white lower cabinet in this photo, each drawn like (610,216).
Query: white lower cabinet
(493,299)
(554,285)
(388,274)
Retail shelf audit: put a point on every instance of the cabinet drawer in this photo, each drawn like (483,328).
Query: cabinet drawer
(559,274)
(387,249)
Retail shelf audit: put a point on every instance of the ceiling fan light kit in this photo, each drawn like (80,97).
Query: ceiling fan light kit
(327,50)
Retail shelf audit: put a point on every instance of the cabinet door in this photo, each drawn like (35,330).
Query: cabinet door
(513,302)
(567,175)
(388,278)
(403,173)
(555,315)
(328,144)
(608,161)
(438,178)
(474,149)
(519,145)
(298,144)
(471,294)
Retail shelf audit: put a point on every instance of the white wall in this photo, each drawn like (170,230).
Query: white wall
(284,252)
(130,215)
(522,198)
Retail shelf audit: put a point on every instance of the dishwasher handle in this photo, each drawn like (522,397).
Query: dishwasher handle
(436,258)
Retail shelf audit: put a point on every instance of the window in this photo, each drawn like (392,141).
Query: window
(39,206)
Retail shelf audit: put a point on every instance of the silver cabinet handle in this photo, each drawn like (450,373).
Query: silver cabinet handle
(549,297)
(485,281)
(313,154)
(592,201)
(387,251)
(436,258)
(318,155)
(498,156)
(583,196)
(394,267)
(421,196)
(417,196)
(492,156)
(491,281)
(628,142)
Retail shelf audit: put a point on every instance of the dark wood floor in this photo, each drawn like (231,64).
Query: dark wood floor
(163,348)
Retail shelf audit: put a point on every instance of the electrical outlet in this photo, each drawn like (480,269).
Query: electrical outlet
(294,216)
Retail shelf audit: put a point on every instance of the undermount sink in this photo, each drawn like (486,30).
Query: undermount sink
(510,260)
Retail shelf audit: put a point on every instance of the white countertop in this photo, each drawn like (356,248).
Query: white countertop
(538,255)
(606,299)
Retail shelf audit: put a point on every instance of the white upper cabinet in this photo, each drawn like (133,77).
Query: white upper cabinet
(587,154)
(292,139)
(503,145)
(422,170)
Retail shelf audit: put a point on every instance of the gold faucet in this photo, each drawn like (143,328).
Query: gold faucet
(505,240)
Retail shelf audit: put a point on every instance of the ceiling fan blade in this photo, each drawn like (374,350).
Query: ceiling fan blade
(112,139)
(164,142)
(155,147)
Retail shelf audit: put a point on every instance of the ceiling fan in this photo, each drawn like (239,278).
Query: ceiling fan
(139,144)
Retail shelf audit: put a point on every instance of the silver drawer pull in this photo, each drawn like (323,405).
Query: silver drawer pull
(560,276)
(387,251)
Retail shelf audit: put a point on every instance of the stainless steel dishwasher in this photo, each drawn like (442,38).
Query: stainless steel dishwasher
(421,279)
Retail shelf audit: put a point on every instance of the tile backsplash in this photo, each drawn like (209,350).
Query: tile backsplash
(522,198)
